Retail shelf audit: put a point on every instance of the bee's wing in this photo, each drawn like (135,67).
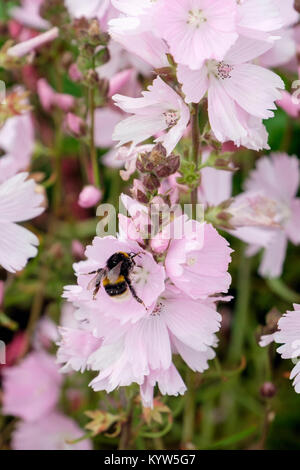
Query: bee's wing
(96,279)
(114,273)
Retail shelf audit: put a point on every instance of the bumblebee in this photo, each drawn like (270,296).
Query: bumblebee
(115,276)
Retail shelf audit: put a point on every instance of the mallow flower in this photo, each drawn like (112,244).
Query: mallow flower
(160,109)
(19,202)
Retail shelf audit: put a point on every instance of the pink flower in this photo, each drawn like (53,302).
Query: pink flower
(289,335)
(75,125)
(17,141)
(31,389)
(233,112)
(28,14)
(19,201)
(89,196)
(197,30)
(75,347)
(142,352)
(160,109)
(168,380)
(277,178)
(198,262)
(50,98)
(147,279)
(77,250)
(216,185)
(23,48)
(51,432)
(106,120)
(90,9)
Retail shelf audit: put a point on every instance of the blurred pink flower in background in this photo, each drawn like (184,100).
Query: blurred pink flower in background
(51,432)
(17,142)
(89,196)
(31,389)
(50,98)
(25,47)
(28,14)
(19,201)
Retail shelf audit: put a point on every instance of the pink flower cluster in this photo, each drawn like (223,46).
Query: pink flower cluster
(129,340)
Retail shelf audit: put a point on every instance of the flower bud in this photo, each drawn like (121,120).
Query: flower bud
(89,197)
(75,125)
(268,390)
(297,5)
(151,182)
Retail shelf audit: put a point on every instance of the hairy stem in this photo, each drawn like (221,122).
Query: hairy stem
(196,147)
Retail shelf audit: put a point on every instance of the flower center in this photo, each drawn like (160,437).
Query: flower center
(196,18)
(224,70)
(191,261)
(171,118)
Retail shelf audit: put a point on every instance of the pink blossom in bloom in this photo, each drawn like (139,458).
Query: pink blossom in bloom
(198,262)
(142,352)
(28,14)
(90,9)
(235,113)
(17,142)
(127,157)
(19,201)
(50,97)
(23,48)
(289,335)
(160,109)
(52,432)
(261,19)
(147,278)
(278,178)
(89,196)
(197,30)
(215,186)
(31,388)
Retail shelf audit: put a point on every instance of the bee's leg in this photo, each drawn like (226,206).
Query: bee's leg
(96,290)
(134,294)
(93,272)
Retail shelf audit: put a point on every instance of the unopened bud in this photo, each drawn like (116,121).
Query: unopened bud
(268,390)
(151,182)
(297,5)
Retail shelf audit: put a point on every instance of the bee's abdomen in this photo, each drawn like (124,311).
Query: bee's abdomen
(113,290)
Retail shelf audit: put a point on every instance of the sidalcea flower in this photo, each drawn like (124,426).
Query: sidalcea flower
(89,196)
(52,432)
(90,9)
(197,263)
(289,335)
(160,109)
(261,19)
(17,143)
(19,201)
(23,48)
(142,352)
(31,389)
(197,30)
(234,112)
(147,279)
(28,14)
(277,178)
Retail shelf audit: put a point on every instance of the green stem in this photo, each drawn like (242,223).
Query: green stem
(93,149)
(189,409)
(284,292)
(242,306)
